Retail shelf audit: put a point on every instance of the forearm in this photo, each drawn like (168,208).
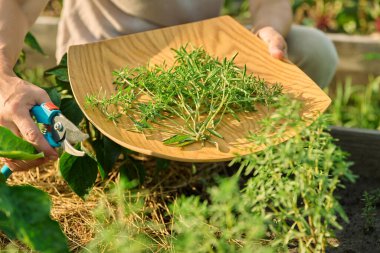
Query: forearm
(274,13)
(16,16)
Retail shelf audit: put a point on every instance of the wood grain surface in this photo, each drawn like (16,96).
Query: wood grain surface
(90,69)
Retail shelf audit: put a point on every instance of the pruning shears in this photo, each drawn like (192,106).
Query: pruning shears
(59,131)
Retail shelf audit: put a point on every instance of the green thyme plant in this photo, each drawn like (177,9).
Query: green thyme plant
(187,100)
(222,224)
(291,185)
(370,200)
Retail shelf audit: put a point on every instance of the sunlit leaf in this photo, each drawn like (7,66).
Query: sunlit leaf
(13,147)
(25,215)
(79,172)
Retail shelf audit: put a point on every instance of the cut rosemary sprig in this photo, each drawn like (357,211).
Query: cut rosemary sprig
(187,100)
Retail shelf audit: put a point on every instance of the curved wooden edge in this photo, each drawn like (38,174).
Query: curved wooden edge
(101,52)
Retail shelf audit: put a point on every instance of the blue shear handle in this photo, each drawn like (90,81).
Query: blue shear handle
(45,112)
(6,171)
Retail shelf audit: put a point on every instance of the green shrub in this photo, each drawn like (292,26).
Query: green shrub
(357,105)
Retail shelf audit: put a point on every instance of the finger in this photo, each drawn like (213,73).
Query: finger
(277,49)
(276,43)
(32,134)
(22,165)
(42,97)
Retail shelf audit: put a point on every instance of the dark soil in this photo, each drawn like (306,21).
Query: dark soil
(355,236)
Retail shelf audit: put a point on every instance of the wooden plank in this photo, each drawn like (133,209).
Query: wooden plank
(363,146)
(91,66)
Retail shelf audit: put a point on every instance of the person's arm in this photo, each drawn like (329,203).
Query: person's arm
(271,21)
(17,96)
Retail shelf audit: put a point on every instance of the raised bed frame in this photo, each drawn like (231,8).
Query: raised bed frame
(363,145)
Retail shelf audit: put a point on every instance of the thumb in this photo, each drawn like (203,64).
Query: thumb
(276,43)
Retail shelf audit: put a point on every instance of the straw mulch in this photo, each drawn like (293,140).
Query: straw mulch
(75,215)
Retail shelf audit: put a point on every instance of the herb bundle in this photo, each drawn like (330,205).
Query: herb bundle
(187,100)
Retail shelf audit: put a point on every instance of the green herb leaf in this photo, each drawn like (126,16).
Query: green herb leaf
(25,215)
(79,172)
(185,143)
(177,139)
(13,147)
(213,132)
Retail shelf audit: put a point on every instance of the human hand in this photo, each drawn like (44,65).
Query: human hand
(276,43)
(17,97)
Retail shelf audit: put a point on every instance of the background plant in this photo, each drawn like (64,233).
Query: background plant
(352,16)
(357,105)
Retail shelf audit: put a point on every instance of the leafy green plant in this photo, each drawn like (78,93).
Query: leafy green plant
(225,223)
(357,105)
(346,16)
(25,215)
(222,224)
(20,218)
(187,100)
(339,16)
(370,200)
(291,185)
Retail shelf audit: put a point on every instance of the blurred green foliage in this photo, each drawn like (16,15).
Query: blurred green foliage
(345,16)
(357,105)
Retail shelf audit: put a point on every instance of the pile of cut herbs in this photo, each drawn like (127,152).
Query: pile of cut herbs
(186,100)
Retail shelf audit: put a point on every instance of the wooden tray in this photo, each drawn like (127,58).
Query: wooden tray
(90,69)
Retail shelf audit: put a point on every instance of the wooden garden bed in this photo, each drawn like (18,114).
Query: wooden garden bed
(352,50)
(364,148)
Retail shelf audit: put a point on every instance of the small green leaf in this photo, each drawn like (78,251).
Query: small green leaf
(32,42)
(13,147)
(177,139)
(185,143)
(213,132)
(25,215)
(19,155)
(79,172)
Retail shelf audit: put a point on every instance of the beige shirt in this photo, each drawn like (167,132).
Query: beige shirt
(84,21)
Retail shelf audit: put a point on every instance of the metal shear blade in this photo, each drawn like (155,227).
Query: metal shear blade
(65,132)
